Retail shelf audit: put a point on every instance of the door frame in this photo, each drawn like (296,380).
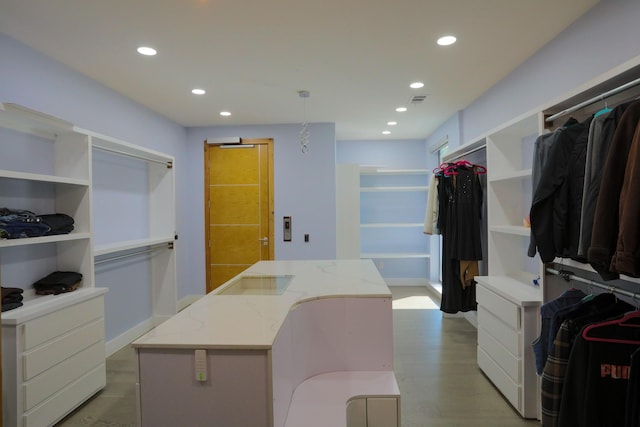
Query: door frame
(254,141)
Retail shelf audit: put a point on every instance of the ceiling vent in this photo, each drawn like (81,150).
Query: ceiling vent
(418,99)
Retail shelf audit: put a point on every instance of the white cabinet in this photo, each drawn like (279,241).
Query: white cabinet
(392,209)
(510,296)
(52,362)
(507,324)
(54,345)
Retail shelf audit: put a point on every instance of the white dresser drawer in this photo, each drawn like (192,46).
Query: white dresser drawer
(44,357)
(42,329)
(505,335)
(510,390)
(58,405)
(511,364)
(502,308)
(62,374)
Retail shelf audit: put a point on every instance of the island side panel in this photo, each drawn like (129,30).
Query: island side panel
(236,392)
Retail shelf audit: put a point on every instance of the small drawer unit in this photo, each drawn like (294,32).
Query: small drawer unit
(53,358)
(507,324)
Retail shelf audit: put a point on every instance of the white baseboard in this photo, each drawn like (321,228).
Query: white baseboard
(406,282)
(128,337)
(187,301)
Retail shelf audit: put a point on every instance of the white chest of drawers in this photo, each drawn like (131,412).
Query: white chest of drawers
(507,324)
(54,359)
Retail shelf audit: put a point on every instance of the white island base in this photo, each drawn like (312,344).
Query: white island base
(286,344)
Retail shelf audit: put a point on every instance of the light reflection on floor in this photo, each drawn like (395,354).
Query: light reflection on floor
(416,302)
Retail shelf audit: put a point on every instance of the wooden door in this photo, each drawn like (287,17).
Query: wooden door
(238,208)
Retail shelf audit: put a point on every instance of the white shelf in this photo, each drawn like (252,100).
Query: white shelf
(376,171)
(39,305)
(512,289)
(587,267)
(521,174)
(5,243)
(391,189)
(393,225)
(22,119)
(129,245)
(387,255)
(43,178)
(516,230)
(121,147)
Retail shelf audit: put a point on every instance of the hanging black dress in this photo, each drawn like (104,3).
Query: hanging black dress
(462,197)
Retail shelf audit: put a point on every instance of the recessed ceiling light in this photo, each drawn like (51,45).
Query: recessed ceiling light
(392,123)
(446,40)
(225,113)
(416,85)
(386,132)
(401,109)
(147,51)
(198,91)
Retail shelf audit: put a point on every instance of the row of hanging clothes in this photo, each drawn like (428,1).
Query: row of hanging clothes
(588,356)
(454,210)
(584,178)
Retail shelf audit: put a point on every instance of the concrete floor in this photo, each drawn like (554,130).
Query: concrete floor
(435,365)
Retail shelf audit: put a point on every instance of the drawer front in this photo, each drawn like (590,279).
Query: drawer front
(44,328)
(503,309)
(506,336)
(511,364)
(46,356)
(66,400)
(58,377)
(511,391)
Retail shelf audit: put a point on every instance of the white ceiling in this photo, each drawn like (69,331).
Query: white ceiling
(356,57)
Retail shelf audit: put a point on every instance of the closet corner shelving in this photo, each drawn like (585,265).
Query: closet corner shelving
(392,207)
(53,345)
(508,298)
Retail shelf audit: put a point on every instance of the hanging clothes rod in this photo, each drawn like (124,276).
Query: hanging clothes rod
(128,255)
(136,156)
(455,156)
(612,289)
(595,99)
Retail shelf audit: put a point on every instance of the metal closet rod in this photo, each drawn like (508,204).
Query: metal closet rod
(612,289)
(127,255)
(593,100)
(124,153)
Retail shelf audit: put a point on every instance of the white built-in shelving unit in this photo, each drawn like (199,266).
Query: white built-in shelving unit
(510,295)
(392,209)
(54,345)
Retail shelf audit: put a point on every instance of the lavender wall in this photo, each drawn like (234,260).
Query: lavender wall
(605,37)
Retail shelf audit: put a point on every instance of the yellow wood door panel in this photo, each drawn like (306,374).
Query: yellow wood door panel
(234,205)
(235,166)
(221,273)
(238,208)
(235,244)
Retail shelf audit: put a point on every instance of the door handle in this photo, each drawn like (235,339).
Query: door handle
(265,241)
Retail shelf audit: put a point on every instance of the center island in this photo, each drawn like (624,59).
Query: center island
(283,344)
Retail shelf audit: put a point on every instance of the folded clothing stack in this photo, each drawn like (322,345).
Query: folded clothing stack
(58,282)
(19,223)
(11,298)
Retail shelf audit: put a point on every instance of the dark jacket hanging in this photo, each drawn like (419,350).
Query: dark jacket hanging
(606,220)
(556,205)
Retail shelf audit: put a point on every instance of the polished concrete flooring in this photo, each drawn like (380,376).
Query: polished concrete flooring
(435,365)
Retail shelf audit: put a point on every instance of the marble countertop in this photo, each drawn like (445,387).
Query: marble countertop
(249,321)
